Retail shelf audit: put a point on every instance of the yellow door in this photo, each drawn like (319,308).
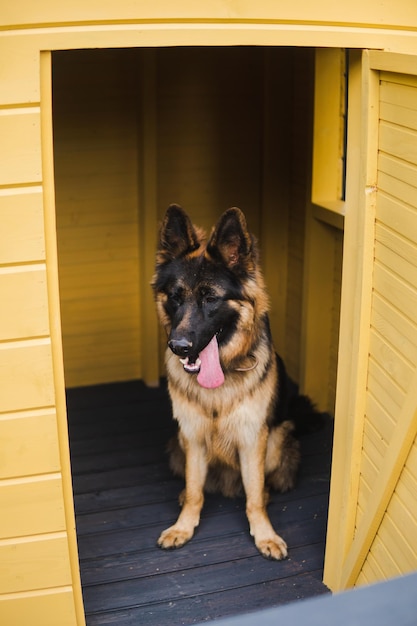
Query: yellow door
(372,530)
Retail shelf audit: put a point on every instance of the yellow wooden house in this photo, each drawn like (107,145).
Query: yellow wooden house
(94,99)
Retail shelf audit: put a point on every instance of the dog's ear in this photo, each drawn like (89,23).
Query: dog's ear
(178,236)
(231,243)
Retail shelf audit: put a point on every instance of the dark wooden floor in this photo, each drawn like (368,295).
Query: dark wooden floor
(125,496)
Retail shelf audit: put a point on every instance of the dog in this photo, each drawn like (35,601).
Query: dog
(238,413)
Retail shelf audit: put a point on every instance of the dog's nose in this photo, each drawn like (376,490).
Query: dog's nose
(180,347)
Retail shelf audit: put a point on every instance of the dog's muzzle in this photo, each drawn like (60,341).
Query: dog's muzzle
(181,347)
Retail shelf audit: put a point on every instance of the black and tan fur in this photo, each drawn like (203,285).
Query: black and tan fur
(241,432)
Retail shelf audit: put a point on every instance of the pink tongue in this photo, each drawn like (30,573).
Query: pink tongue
(210,374)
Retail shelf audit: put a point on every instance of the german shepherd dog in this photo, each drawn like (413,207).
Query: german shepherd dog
(235,406)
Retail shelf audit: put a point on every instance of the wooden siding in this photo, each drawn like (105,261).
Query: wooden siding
(96,180)
(371,531)
(337,264)
(209,128)
(21,155)
(33,538)
(22,236)
(319,313)
(40,608)
(299,173)
(393,338)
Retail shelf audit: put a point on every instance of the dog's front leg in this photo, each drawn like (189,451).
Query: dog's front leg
(195,476)
(252,466)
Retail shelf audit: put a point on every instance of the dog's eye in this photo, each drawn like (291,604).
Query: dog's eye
(175,298)
(210,299)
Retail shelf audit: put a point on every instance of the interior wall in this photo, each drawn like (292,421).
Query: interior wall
(96,184)
(335,315)
(300,160)
(210,110)
(217,109)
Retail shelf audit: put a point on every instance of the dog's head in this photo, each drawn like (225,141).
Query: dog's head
(204,290)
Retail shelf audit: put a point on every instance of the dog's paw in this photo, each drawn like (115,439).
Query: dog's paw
(173,537)
(273,548)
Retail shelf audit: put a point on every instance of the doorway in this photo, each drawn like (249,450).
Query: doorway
(208,128)
(231,127)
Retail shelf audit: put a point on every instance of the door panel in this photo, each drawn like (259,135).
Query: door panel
(381,539)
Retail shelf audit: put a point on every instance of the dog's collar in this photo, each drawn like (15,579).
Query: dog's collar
(251,367)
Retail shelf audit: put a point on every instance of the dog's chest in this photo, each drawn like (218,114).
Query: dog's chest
(222,424)
(222,440)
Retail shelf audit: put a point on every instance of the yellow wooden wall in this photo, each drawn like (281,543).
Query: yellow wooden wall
(298,152)
(38,568)
(209,129)
(372,526)
(324,225)
(36,528)
(392,369)
(333,358)
(96,117)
